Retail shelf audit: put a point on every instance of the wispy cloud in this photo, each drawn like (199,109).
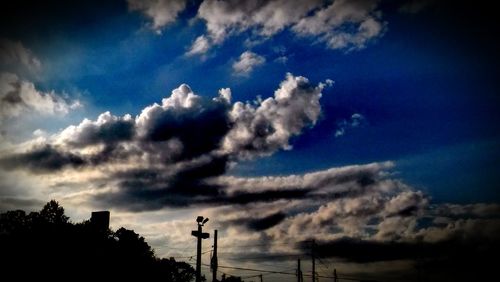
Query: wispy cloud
(199,46)
(331,24)
(247,62)
(356,120)
(14,55)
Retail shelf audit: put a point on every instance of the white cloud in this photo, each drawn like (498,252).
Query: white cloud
(20,97)
(161,12)
(225,94)
(268,127)
(107,128)
(281,59)
(199,46)
(224,18)
(247,62)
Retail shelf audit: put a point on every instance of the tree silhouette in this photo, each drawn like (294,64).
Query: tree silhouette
(174,271)
(231,279)
(133,245)
(53,213)
(45,245)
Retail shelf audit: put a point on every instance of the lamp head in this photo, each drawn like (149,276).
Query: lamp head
(205,221)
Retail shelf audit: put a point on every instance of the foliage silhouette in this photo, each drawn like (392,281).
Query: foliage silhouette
(46,245)
(231,278)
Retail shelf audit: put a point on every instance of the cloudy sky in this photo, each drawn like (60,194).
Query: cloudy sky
(368,126)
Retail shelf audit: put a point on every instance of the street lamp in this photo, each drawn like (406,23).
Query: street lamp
(201,220)
(199,235)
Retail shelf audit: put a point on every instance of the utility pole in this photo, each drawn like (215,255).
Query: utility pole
(313,261)
(214,262)
(335,279)
(299,272)
(199,235)
(261,280)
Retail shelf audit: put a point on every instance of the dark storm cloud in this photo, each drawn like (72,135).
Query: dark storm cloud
(199,129)
(361,178)
(152,189)
(195,183)
(437,247)
(478,210)
(259,224)
(363,251)
(254,222)
(450,260)
(106,130)
(247,197)
(45,159)
(198,183)
(193,126)
(183,190)
(15,203)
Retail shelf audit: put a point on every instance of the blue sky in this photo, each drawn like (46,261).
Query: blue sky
(426,87)
(413,107)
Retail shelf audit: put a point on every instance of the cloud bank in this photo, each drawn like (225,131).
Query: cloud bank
(166,154)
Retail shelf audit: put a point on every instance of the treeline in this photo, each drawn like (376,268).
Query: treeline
(47,245)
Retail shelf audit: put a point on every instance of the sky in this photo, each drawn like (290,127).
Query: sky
(360,124)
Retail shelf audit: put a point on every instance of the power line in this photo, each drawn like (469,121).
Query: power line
(267,272)
(281,272)
(293,256)
(261,244)
(287,266)
(324,265)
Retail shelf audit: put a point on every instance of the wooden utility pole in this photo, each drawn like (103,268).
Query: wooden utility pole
(299,272)
(313,261)
(261,280)
(335,279)
(214,262)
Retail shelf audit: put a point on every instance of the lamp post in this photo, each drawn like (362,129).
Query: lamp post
(199,235)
